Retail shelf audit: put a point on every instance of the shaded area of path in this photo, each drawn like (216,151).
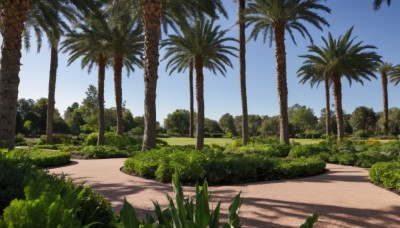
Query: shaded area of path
(343,197)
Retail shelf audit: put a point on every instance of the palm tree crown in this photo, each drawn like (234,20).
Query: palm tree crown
(341,57)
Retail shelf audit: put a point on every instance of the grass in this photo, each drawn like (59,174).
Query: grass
(192,141)
(306,141)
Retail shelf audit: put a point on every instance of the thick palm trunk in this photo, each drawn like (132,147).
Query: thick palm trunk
(200,103)
(51,95)
(337,92)
(151,10)
(118,90)
(101,78)
(327,107)
(385,102)
(13,16)
(191,129)
(280,54)
(242,59)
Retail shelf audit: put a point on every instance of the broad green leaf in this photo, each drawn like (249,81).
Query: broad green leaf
(128,216)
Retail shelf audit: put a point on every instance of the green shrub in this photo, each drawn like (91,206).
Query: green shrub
(347,158)
(20,139)
(58,139)
(41,158)
(368,158)
(390,148)
(299,150)
(216,166)
(102,152)
(386,174)
(91,139)
(47,146)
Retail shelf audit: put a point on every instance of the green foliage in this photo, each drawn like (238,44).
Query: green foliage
(41,158)
(184,212)
(386,174)
(20,139)
(58,139)
(91,139)
(310,221)
(217,166)
(299,150)
(270,147)
(102,152)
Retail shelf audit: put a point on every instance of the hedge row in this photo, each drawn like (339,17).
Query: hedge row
(40,158)
(218,167)
(386,174)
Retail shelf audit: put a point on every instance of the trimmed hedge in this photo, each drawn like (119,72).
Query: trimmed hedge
(386,174)
(40,158)
(218,167)
(90,152)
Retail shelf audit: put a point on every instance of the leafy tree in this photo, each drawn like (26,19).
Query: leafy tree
(271,18)
(387,70)
(363,119)
(211,126)
(254,124)
(206,44)
(238,124)
(177,123)
(322,121)
(302,118)
(269,126)
(339,58)
(227,123)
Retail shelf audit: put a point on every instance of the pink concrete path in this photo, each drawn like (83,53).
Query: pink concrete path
(343,197)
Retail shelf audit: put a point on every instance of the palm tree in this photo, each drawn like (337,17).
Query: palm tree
(314,74)
(13,18)
(180,62)
(126,44)
(339,58)
(377,3)
(272,18)
(90,45)
(204,43)
(242,59)
(387,70)
(156,14)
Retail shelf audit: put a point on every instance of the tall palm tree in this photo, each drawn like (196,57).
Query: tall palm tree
(242,59)
(387,70)
(13,19)
(126,44)
(314,74)
(339,58)
(89,43)
(377,3)
(206,44)
(157,14)
(274,17)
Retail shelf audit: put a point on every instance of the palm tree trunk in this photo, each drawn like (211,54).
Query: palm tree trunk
(280,54)
(242,58)
(385,103)
(102,76)
(151,10)
(327,107)
(118,90)
(200,103)
(191,129)
(51,95)
(13,16)
(337,92)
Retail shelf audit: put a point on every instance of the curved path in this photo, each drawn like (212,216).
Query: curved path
(343,197)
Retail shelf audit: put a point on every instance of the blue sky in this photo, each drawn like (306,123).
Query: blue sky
(222,94)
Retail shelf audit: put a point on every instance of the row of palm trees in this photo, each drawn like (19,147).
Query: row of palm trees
(120,24)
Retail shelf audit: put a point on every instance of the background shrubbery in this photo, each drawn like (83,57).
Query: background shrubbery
(40,158)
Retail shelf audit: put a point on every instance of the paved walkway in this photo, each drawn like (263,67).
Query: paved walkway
(343,197)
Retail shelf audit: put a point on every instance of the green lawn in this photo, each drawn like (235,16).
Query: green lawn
(192,141)
(306,141)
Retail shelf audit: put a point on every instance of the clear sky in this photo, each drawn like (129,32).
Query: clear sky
(222,94)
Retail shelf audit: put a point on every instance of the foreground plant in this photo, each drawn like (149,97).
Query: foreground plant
(184,213)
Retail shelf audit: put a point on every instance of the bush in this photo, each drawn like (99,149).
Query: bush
(20,139)
(102,152)
(58,139)
(41,158)
(48,201)
(386,174)
(346,158)
(91,139)
(299,150)
(216,166)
